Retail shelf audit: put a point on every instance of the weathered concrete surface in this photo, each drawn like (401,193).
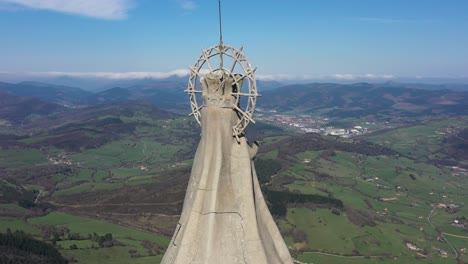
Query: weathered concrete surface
(225,218)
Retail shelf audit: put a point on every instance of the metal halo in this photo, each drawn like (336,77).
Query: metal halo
(204,65)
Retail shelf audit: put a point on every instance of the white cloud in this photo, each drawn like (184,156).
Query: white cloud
(99,75)
(116,75)
(187,4)
(186,72)
(367,76)
(102,9)
(342,77)
(276,77)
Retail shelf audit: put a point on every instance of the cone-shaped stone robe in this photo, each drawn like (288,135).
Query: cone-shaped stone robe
(225,219)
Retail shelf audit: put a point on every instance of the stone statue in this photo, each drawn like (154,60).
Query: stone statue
(225,219)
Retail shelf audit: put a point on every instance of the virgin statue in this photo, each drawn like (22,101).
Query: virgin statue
(225,219)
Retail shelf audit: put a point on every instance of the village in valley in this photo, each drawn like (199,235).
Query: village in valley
(311,124)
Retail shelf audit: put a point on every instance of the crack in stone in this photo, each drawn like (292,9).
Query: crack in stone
(207,190)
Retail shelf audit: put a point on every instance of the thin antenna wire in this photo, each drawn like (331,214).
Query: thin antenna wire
(221,48)
(220,23)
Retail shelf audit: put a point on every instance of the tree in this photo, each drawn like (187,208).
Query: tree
(73,247)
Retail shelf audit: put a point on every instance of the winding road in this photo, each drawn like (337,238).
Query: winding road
(441,234)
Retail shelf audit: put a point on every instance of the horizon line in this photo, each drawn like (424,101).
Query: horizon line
(137,75)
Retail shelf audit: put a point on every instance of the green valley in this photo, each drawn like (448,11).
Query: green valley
(106,183)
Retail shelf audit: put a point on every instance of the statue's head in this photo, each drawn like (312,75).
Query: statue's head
(221,86)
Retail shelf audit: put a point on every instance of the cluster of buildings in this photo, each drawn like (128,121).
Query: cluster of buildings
(5,123)
(61,159)
(308,124)
(458,172)
(341,132)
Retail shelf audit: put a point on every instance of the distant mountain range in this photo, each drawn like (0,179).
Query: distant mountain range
(443,86)
(165,95)
(98,84)
(168,95)
(48,92)
(363,99)
(330,99)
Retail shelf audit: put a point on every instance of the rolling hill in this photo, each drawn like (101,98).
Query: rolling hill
(362,99)
(165,95)
(51,93)
(16,109)
(390,196)
(385,101)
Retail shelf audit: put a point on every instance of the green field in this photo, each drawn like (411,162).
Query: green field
(21,157)
(316,224)
(137,179)
(88,251)
(420,142)
(318,258)
(136,158)
(396,193)
(130,159)
(17,224)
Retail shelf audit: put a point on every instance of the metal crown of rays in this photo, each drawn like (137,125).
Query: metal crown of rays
(203,64)
(246,78)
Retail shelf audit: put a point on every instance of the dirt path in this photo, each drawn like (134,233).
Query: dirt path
(150,214)
(339,256)
(441,234)
(453,235)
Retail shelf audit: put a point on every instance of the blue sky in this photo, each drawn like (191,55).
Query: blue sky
(284,39)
